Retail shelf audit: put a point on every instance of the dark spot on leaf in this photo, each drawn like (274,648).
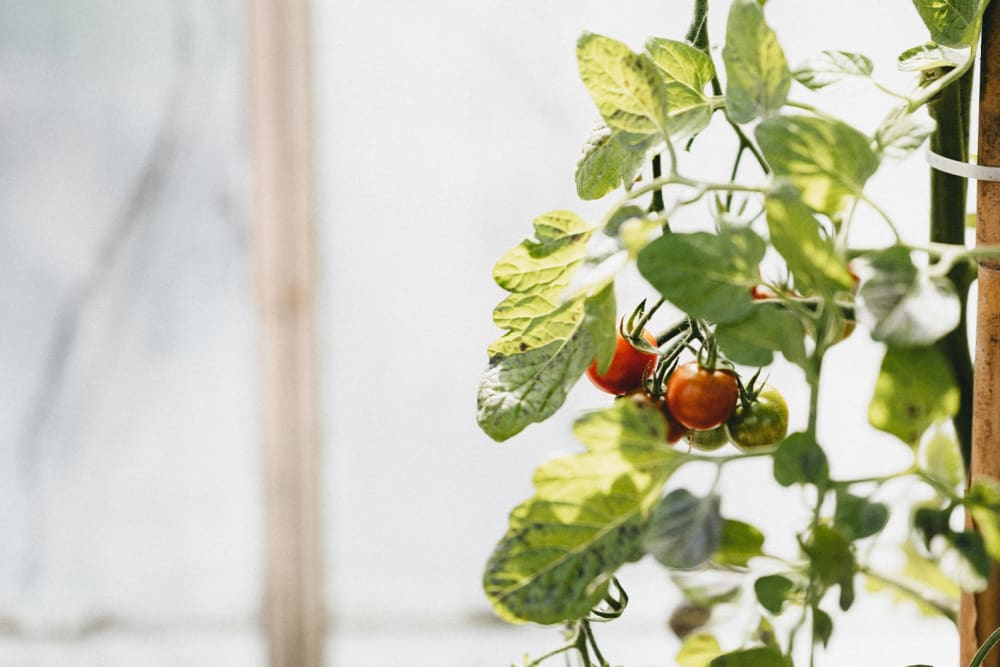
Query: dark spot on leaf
(523,346)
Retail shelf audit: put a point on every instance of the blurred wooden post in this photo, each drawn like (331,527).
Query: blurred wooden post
(980,613)
(283,248)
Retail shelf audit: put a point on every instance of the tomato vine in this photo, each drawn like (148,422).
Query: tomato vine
(617,500)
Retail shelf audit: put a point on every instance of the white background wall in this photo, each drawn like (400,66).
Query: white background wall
(129,474)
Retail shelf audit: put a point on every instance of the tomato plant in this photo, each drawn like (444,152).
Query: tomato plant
(784,207)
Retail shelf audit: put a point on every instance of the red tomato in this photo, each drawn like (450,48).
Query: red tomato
(700,398)
(629,367)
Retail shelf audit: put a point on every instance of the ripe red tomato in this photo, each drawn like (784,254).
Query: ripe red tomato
(629,367)
(763,424)
(701,398)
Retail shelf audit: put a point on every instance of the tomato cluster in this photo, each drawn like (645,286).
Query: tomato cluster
(704,402)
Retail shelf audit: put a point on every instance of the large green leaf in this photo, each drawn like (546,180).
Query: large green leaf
(684,529)
(811,257)
(827,160)
(858,517)
(800,460)
(770,327)
(548,344)
(915,388)
(740,542)
(832,561)
(757,74)
(586,518)
(628,89)
(772,591)
(830,67)
(951,22)
(902,304)
(705,275)
(687,70)
(605,163)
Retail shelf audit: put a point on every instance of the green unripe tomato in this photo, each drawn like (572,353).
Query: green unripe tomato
(708,441)
(761,425)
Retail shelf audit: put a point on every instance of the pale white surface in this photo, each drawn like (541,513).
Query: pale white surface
(128,443)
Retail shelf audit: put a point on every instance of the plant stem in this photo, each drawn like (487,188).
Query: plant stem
(656,205)
(940,606)
(950,109)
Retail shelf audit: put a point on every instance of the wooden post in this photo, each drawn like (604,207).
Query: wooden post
(980,613)
(283,247)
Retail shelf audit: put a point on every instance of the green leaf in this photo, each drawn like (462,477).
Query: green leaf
(705,275)
(599,319)
(586,518)
(605,164)
(857,517)
(831,561)
(811,258)
(970,545)
(915,388)
(770,327)
(901,133)
(930,522)
(757,75)
(628,89)
(983,501)
(951,22)
(546,346)
(929,56)
(799,460)
(698,650)
(822,626)
(687,70)
(830,67)
(684,530)
(739,543)
(763,656)
(903,305)
(827,160)
(772,592)
(940,457)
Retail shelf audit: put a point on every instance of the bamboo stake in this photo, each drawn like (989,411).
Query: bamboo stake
(281,136)
(980,613)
